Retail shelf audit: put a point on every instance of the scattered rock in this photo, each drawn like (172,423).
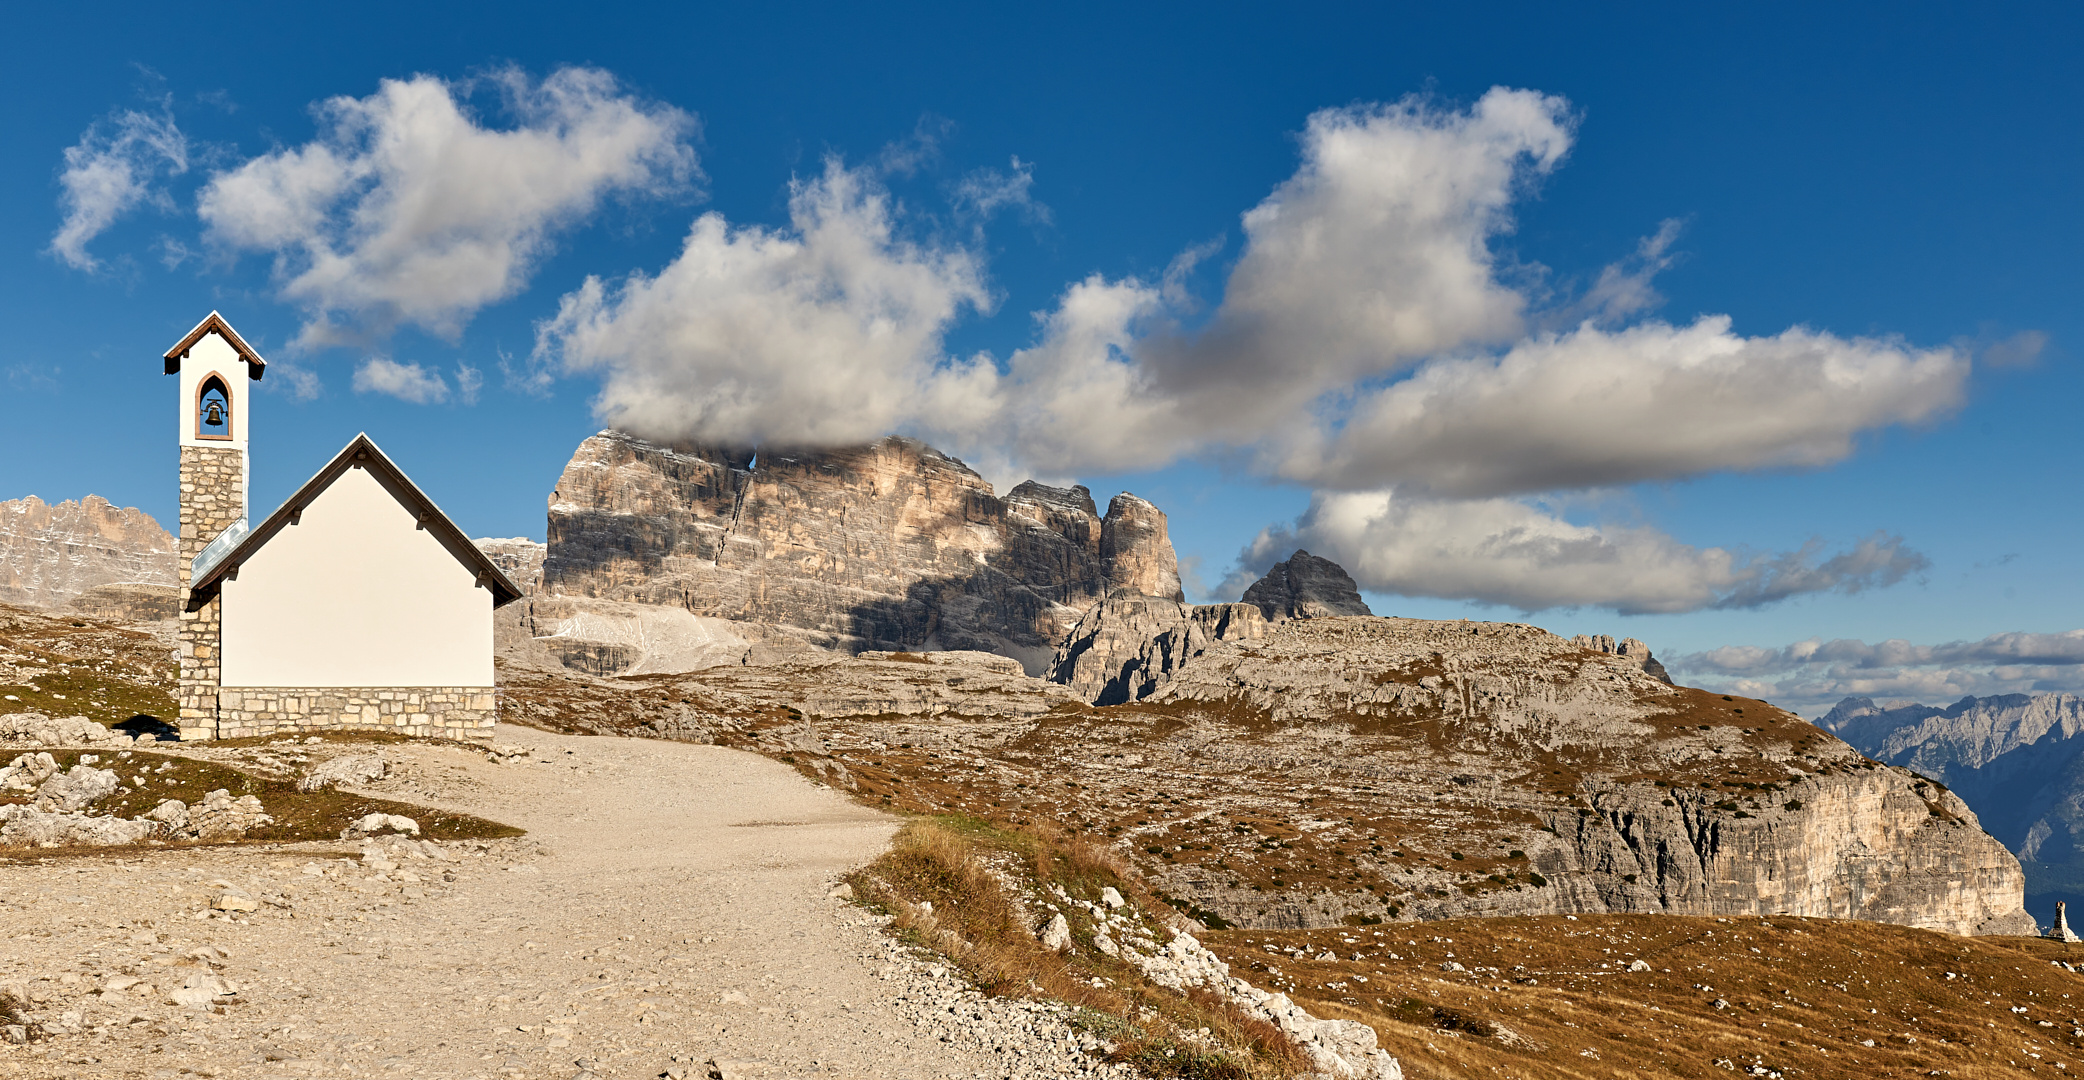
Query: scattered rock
(37,729)
(1638,965)
(234,902)
(346,769)
(221,817)
(1111,897)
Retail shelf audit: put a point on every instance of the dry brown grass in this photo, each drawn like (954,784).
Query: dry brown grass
(1550,998)
(984,885)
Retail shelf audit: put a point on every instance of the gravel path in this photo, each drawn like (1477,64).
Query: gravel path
(667,911)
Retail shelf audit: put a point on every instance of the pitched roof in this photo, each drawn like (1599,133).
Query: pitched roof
(215,324)
(360,454)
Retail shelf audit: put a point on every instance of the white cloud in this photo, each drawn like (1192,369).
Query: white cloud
(407,210)
(982,193)
(112,169)
(826,332)
(1813,675)
(1597,407)
(1512,553)
(406,382)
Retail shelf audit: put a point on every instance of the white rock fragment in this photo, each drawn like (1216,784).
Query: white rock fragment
(1056,933)
(1111,898)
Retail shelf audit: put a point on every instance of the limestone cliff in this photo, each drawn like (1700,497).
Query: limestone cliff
(1624,792)
(2018,759)
(54,555)
(892,545)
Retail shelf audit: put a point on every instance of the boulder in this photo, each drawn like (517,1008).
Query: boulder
(345,769)
(76,790)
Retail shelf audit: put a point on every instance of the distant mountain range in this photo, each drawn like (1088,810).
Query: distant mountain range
(2016,759)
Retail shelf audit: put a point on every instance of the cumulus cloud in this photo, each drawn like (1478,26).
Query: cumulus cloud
(408,210)
(116,166)
(826,332)
(1815,674)
(1516,554)
(406,382)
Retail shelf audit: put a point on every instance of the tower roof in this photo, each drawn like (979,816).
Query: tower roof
(215,324)
(361,453)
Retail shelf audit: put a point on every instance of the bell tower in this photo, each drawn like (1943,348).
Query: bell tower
(215,365)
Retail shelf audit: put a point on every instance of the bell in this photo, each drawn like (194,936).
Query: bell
(215,417)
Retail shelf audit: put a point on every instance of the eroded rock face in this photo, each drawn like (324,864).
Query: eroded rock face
(520,558)
(1671,799)
(1127,646)
(2018,759)
(50,555)
(1306,587)
(892,545)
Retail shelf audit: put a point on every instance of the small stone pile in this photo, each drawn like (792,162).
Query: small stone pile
(217,817)
(56,813)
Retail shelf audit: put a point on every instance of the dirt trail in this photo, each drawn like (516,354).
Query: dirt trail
(669,907)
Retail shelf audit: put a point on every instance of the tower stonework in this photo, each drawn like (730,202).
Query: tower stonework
(214,366)
(213,499)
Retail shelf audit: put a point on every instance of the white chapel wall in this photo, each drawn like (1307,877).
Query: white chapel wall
(356,595)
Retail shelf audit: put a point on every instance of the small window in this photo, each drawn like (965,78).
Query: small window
(213,410)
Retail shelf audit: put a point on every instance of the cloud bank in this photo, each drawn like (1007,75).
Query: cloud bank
(1511,552)
(1813,675)
(406,210)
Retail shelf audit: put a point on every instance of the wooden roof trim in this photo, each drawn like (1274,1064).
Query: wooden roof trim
(215,324)
(362,453)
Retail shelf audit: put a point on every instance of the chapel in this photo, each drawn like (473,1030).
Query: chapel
(356,604)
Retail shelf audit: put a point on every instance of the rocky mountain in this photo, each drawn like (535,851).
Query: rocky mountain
(1306,587)
(892,545)
(108,561)
(2018,759)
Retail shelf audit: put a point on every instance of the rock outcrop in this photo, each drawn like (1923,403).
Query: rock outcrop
(1627,648)
(2018,759)
(1306,587)
(1127,646)
(892,545)
(1672,799)
(51,555)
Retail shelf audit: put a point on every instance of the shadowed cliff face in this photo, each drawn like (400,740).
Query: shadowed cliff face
(892,545)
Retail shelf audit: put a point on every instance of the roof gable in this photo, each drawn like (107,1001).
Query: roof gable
(215,324)
(361,453)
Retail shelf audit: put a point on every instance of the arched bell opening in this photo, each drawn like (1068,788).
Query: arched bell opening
(213,409)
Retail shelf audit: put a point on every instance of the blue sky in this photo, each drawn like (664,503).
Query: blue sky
(1040,205)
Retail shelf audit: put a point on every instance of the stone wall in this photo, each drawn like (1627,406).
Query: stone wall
(455,712)
(212,499)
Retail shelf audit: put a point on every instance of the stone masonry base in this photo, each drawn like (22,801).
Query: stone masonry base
(455,712)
